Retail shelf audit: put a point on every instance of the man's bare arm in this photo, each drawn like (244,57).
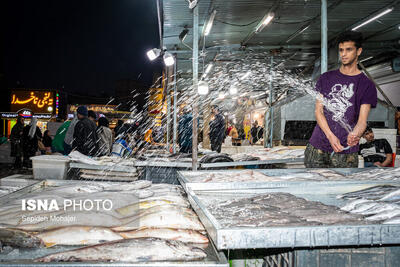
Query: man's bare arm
(323,124)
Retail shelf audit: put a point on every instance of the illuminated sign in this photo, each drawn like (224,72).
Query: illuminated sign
(12,115)
(37,101)
(96,108)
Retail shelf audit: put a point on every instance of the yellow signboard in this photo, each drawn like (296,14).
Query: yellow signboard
(37,101)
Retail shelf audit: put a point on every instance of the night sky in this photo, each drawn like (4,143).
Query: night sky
(83,46)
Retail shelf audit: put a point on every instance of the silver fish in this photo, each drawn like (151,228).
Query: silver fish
(393,196)
(187,236)
(78,235)
(384,215)
(394,220)
(131,250)
(18,238)
(352,204)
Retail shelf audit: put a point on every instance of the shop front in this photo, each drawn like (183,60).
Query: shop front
(41,104)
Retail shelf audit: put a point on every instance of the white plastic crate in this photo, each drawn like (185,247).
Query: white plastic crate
(50,167)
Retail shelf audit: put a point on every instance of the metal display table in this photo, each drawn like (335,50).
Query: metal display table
(203,194)
(250,163)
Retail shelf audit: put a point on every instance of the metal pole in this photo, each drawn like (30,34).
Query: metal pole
(175,113)
(271,109)
(195,84)
(324,36)
(168,109)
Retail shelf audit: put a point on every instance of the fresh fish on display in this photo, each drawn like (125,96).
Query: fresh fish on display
(277,209)
(187,236)
(352,204)
(394,220)
(371,193)
(381,207)
(392,196)
(171,218)
(78,235)
(364,207)
(18,238)
(384,215)
(131,250)
(136,185)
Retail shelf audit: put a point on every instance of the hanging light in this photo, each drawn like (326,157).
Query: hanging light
(388,10)
(192,3)
(153,53)
(202,88)
(168,59)
(221,95)
(233,90)
(210,23)
(183,34)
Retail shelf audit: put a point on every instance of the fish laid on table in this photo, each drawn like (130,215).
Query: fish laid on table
(170,218)
(381,207)
(152,202)
(187,236)
(392,196)
(140,184)
(393,220)
(18,238)
(371,193)
(131,250)
(384,215)
(78,235)
(352,204)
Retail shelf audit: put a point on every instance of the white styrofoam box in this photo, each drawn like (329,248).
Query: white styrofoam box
(50,167)
(388,134)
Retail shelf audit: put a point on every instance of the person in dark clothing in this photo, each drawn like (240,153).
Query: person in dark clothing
(185,130)
(85,138)
(47,141)
(92,116)
(376,152)
(255,136)
(118,127)
(16,142)
(217,130)
(30,137)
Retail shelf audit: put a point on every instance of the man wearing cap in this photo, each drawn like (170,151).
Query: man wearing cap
(85,138)
(376,152)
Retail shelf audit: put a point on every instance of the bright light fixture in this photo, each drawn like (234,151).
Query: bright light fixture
(50,109)
(192,3)
(297,33)
(153,53)
(202,88)
(265,21)
(221,96)
(233,90)
(168,59)
(210,23)
(373,18)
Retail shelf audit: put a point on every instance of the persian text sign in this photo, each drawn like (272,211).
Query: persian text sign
(37,101)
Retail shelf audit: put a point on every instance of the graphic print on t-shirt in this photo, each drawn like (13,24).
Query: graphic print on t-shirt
(339,100)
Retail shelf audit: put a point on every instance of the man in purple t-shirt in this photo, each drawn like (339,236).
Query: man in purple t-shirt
(345,97)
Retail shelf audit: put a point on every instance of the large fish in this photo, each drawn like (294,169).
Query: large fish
(78,235)
(152,202)
(18,238)
(187,236)
(163,219)
(385,215)
(131,250)
(133,213)
(394,220)
(392,196)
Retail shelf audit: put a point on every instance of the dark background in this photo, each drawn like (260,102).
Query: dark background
(80,47)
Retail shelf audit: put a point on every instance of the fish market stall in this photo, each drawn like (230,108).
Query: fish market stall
(145,225)
(308,213)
